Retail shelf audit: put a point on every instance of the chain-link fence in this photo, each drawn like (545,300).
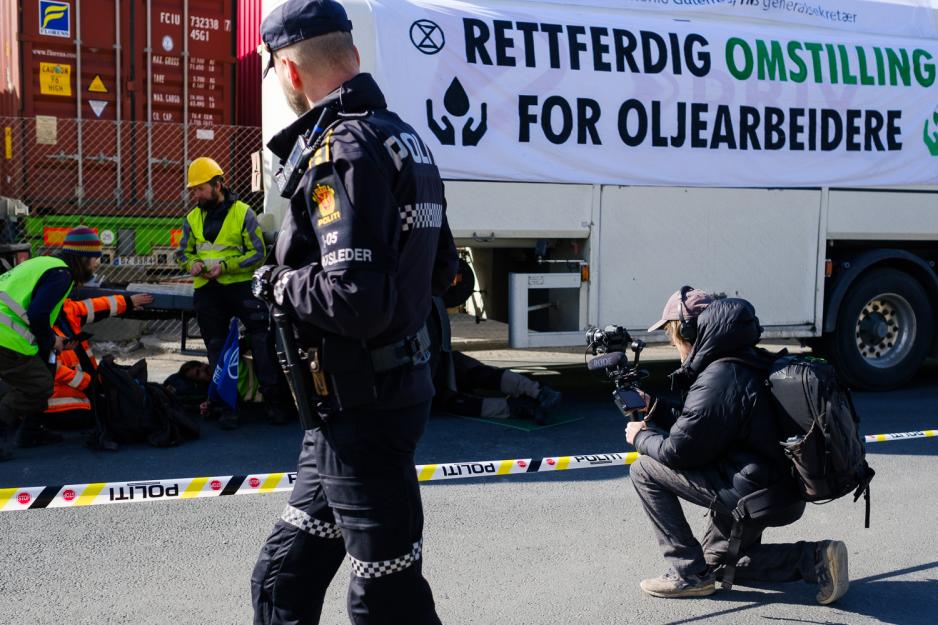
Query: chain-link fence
(125,179)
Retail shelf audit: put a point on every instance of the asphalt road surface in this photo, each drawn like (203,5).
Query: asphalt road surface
(562,548)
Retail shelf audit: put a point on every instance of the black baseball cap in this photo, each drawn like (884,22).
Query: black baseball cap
(297,20)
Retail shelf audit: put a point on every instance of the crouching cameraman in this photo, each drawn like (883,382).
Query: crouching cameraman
(716,446)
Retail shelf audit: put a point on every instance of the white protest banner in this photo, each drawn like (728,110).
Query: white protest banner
(904,18)
(535,92)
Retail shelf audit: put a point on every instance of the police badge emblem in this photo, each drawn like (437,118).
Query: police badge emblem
(324,197)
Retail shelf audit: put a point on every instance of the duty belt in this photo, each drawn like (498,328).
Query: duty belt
(410,350)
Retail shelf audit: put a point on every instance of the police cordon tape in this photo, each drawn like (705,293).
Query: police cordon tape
(101,493)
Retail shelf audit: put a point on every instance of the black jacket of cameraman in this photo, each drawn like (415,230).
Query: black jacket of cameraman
(726,425)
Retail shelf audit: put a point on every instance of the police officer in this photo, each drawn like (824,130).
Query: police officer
(362,246)
(31,297)
(221,246)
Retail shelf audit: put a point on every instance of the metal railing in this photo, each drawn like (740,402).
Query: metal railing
(125,179)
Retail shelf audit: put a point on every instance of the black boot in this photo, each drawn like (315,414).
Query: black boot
(5,452)
(31,434)
(7,427)
(280,406)
(229,419)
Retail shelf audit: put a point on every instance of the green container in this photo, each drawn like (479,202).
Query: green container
(148,231)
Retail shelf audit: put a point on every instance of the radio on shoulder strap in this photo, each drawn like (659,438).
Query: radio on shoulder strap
(292,171)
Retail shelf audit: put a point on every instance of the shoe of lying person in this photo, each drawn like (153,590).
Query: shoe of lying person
(547,400)
(673,586)
(832,576)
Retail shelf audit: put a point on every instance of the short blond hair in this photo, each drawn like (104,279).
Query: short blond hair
(332,51)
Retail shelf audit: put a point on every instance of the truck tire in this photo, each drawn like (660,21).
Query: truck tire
(884,330)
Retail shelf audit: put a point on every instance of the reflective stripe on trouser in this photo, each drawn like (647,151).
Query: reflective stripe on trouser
(356,477)
(324,529)
(299,519)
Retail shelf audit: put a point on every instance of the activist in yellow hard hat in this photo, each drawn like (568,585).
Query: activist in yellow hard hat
(221,246)
(203,170)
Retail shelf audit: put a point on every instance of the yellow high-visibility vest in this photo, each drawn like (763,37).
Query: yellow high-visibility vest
(16,293)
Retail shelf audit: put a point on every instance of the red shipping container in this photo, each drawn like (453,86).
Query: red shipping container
(107,61)
(248,101)
(112,62)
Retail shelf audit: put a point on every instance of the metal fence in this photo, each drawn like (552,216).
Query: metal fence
(125,179)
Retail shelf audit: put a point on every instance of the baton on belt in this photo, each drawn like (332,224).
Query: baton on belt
(296,366)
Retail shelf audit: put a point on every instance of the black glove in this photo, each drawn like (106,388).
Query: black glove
(262,284)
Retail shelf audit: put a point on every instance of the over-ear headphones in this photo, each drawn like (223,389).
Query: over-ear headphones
(687,330)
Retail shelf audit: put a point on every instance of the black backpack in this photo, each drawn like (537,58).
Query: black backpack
(817,415)
(120,397)
(170,423)
(128,409)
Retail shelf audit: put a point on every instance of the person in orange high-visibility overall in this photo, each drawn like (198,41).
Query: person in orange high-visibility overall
(31,296)
(70,407)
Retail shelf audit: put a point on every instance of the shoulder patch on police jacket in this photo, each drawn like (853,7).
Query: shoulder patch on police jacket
(346,240)
(323,197)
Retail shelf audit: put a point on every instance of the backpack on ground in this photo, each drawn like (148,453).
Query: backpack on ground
(128,409)
(171,424)
(120,395)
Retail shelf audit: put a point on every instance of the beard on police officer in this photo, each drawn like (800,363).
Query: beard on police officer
(295,99)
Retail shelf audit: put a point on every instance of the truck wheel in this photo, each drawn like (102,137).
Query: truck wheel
(884,330)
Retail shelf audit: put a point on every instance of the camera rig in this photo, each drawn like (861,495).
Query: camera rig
(608,345)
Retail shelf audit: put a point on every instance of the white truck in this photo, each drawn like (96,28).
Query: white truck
(599,155)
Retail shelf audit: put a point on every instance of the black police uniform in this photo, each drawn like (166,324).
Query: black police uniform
(366,242)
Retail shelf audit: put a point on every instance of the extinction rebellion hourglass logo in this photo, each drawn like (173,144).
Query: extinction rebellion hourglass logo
(457,105)
(458,123)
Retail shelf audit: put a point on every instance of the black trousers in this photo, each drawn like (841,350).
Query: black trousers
(474,375)
(215,305)
(356,494)
(69,420)
(471,375)
(660,487)
(30,383)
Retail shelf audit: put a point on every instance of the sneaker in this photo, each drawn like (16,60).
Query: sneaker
(548,398)
(832,577)
(672,586)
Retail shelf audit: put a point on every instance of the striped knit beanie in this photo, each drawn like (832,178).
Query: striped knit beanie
(82,241)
